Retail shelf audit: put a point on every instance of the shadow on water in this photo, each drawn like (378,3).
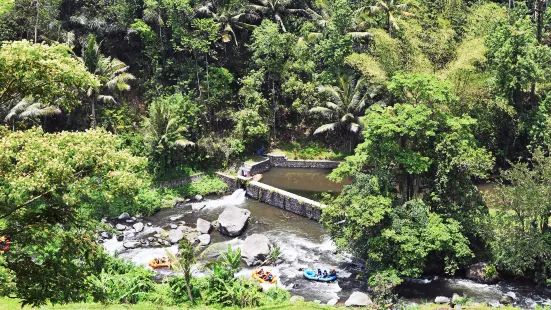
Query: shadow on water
(304,244)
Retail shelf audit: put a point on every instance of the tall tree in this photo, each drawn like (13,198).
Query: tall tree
(111,72)
(390,8)
(277,10)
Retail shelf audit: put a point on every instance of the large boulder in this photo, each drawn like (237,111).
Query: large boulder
(479,272)
(203,226)
(232,221)
(198,198)
(255,249)
(175,235)
(333,302)
(138,227)
(358,299)
(120,227)
(508,298)
(296,298)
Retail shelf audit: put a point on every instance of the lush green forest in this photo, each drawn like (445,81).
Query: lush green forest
(422,100)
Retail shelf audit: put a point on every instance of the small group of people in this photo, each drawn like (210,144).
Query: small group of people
(265,275)
(331,273)
(162,260)
(4,244)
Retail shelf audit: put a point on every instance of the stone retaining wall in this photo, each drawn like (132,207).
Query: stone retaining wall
(182,181)
(260,167)
(274,196)
(282,161)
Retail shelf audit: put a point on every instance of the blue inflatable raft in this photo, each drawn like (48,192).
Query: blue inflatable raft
(312,275)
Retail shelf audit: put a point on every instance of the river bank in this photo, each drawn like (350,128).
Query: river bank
(303,244)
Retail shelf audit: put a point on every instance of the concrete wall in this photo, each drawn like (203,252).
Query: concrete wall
(182,181)
(275,196)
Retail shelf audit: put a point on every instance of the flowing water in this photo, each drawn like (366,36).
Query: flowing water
(305,244)
(305,182)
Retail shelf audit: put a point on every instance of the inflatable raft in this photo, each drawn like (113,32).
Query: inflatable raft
(312,275)
(158,263)
(257,277)
(4,244)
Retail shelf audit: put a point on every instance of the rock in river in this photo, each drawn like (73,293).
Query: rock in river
(131,244)
(232,221)
(255,249)
(203,226)
(120,227)
(441,300)
(175,235)
(358,299)
(138,227)
(478,272)
(204,239)
(176,217)
(198,197)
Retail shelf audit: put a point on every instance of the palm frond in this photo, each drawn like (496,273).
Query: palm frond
(321,110)
(183,143)
(354,128)
(326,128)
(360,35)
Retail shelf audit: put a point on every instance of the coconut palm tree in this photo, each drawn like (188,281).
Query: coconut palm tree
(390,8)
(228,18)
(276,10)
(163,130)
(346,103)
(111,72)
(324,17)
(30,109)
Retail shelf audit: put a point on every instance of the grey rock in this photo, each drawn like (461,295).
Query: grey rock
(175,235)
(160,240)
(317,301)
(150,239)
(232,221)
(155,243)
(130,221)
(157,235)
(332,302)
(203,226)
(508,298)
(192,236)
(441,300)
(120,227)
(124,216)
(166,243)
(173,226)
(131,244)
(138,227)
(149,224)
(255,249)
(204,239)
(105,235)
(120,237)
(198,198)
(142,241)
(477,272)
(197,207)
(296,298)
(358,299)
(176,217)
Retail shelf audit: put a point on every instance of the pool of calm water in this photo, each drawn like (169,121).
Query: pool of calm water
(305,182)
(304,244)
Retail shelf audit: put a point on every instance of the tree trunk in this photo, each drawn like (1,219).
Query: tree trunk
(389,25)
(36,21)
(93,123)
(197,72)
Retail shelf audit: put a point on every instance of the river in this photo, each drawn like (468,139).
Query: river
(305,244)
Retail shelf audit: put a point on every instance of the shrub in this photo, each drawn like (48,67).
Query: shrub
(207,185)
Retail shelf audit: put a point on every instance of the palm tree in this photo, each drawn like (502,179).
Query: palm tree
(164,131)
(30,109)
(390,8)
(276,10)
(346,103)
(111,72)
(227,18)
(323,19)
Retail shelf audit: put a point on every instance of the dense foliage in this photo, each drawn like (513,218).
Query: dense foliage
(424,99)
